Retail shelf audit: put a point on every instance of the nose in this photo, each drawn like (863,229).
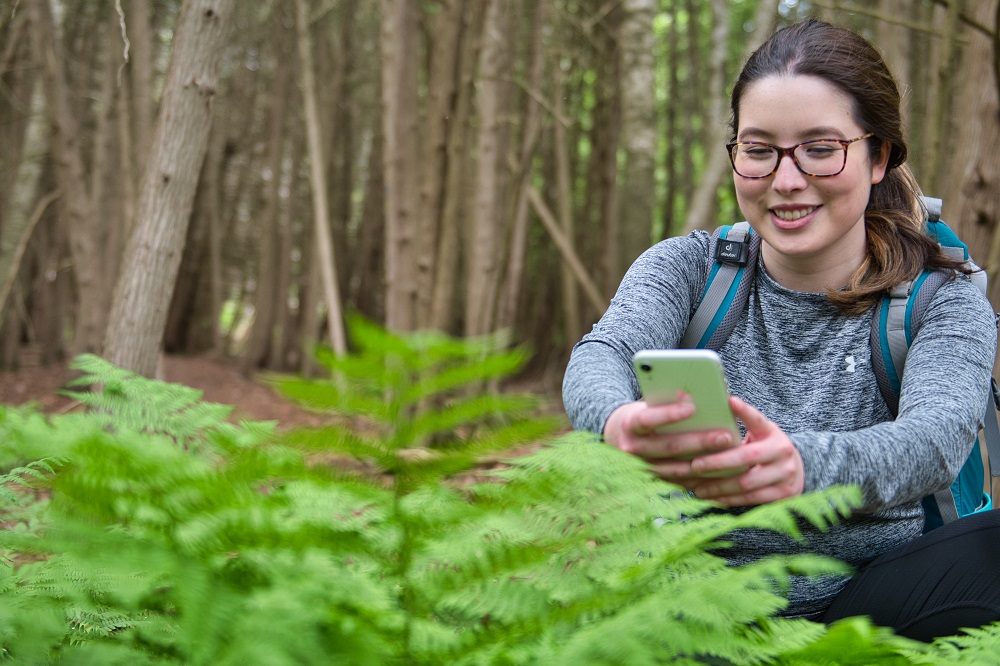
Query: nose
(788,178)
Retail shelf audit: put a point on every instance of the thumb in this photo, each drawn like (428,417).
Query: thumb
(756,424)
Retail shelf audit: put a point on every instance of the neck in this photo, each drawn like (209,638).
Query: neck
(812,274)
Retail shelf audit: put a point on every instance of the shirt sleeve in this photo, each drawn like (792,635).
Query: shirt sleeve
(650,310)
(942,401)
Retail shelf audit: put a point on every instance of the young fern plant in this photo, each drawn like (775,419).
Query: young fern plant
(421,412)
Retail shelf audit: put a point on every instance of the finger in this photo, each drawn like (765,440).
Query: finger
(676,471)
(753,419)
(685,445)
(647,420)
(759,484)
(763,495)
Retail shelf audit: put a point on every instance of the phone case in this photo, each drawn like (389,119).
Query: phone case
(662,374)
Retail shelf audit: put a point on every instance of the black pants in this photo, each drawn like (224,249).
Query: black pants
(935,585)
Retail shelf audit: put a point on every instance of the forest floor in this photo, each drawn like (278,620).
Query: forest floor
(219,381)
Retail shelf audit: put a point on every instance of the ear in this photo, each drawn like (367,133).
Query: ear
(880,163)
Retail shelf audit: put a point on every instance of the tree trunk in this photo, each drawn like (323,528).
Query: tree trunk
(524,172)
(699,214)
(939,113)
(460,167)
(399,127)
(266,295)
(141,69)
(366,285)
(970,195)
(572,318)
(606,141)
(75,203)
(317,177)
(15,112)
(442,83)
(639,132)
(146,283)
(483,266)
(670,134)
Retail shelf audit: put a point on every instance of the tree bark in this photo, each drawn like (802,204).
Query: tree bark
(483,265)
(573,319)
(699,213)
(443,81)
(938,125)
(970,194)
(75,203)
(639,132)
(266,294)
(145,287)
(317,177)
(524,171)
(399,126)
(460,167)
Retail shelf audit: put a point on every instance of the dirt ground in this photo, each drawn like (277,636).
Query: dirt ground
(218,381)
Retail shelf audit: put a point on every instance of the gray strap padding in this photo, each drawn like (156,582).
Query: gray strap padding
(896,326)
(978,277)
(991,435)
(715,292)
(933,207)
(946,505)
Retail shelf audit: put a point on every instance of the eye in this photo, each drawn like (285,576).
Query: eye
(756,152)
(821,150)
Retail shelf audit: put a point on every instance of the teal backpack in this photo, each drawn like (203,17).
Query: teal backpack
(734,251)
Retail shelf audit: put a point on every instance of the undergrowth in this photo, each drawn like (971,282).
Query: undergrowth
(151,530)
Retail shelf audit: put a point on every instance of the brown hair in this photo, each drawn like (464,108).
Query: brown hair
(898,247)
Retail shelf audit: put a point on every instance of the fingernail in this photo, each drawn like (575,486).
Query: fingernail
(723,440)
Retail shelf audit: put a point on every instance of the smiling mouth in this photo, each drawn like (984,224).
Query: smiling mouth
(792,215)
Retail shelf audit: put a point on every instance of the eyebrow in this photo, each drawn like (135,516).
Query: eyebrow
(820,132)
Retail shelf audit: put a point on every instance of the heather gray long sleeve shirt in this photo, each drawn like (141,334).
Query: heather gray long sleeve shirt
(808,368)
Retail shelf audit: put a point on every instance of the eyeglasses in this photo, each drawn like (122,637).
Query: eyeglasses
(820,157)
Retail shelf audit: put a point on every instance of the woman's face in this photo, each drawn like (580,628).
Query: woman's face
(812,228)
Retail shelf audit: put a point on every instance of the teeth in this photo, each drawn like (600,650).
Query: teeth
(790,215)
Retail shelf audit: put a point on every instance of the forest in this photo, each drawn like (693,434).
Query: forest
(387,211)
(233,179)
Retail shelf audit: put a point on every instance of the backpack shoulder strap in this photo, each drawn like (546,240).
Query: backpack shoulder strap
(732,263)
(894,324)
(949,241)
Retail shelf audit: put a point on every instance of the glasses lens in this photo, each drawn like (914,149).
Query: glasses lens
(754,160)
(821,158)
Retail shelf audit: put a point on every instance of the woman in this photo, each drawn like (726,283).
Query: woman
(820,174)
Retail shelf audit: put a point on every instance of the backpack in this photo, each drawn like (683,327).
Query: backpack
(734,252)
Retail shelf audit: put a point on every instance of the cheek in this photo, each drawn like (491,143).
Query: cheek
(748,189)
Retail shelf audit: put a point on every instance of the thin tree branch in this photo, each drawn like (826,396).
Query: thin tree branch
(22,246)
(566,250)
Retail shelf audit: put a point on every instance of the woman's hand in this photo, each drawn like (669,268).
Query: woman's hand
(633,429)
(773,467)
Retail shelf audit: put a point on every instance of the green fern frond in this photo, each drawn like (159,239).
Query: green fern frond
(132,401)
(854,642)
(354,543)
(39,470)
(973,647)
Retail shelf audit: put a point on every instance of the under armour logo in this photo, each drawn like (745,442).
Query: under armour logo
(851,362)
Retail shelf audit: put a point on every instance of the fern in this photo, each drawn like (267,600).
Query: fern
(150,530)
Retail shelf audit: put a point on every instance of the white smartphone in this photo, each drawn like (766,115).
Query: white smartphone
(664,374)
